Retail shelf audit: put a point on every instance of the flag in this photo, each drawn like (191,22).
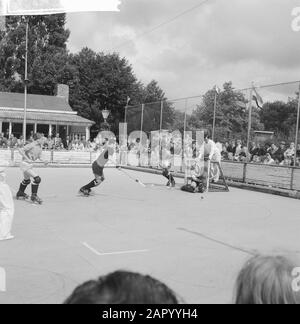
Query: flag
(257,98)
(241,104)
(48,7)
(217,89)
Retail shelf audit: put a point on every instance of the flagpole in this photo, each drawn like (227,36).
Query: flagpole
(297,129)
(215,112)
(25,82)
(250,118)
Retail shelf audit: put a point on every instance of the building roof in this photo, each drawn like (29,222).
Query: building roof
(44,118)
(40,109)
(38,102)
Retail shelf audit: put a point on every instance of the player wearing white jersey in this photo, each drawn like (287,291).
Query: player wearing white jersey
(209,151)
(31,153)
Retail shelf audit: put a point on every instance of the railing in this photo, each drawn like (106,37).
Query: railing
(258,174)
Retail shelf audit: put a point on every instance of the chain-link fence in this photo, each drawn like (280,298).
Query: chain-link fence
(245,123)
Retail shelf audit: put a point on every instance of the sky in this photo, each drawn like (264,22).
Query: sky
(189,46)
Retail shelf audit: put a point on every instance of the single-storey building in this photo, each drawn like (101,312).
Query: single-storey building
(45,114)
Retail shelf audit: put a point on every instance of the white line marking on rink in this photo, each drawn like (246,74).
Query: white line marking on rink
(112,253)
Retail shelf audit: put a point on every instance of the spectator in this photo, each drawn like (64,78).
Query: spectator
(224,153)
(238,150)
(279,154)
(290,152)
(256,159)
(12,142)
(273,150)
(67,144)
(50,143)
(266,280)
(84,142)
(123,288)
(254,150)
(231,148)
(269,160)
(20,142)
(3,141)
(57,142)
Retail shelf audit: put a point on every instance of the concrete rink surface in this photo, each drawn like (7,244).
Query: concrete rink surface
(195,246)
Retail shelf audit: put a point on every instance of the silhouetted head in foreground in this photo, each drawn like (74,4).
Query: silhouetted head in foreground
(123,288)
(268,280)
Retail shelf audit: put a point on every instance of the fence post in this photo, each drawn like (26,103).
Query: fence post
(250,118)
(292,178)
(184,131)
(245,172)
(297,128)
(12,155)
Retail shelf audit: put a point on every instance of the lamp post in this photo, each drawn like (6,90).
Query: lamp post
(105,115)
(26,81)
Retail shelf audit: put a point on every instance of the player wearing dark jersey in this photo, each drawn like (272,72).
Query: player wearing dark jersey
(98,167)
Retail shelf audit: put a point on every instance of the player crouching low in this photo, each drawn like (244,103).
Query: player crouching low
(98,167)
(195,180)
(31,153)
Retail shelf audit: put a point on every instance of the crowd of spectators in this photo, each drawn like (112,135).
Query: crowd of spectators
(69,143)
(271,154)
(282,154)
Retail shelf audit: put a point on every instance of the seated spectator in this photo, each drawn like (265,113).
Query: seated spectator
(57,142)
(123,288)
(3,141)
(254,150)
(12,142)
(256,159)
(298,151)
(269,160)
(261,150)
(84,142)
(224,153)
(244,156)
(273,150)
(67,144)
(50,143)
(290,152)
(20,142)
(279,153)
(287,162)
(267,280)
(238,150)
(231,148)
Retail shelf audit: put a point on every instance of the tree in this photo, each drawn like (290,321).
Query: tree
(231,114)
(154,97)
(280,117)
(47,54)
(104,82)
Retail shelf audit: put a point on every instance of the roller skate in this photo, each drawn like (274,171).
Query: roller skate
(22,196)
(85,192)
(36,200)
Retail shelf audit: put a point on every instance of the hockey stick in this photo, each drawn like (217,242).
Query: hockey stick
(129,176)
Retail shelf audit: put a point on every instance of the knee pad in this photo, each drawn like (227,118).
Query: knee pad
(26,182)
(37,181)
(99,181)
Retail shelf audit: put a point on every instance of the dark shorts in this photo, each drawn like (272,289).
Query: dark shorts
(97,169)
